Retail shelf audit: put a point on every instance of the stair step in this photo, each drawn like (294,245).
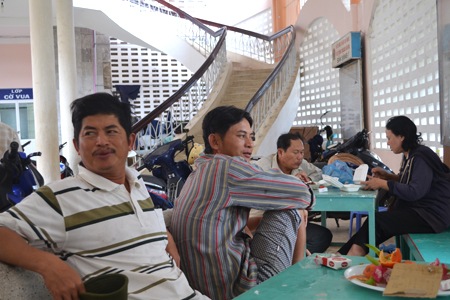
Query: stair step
(250,80)
(247,83)
(252,72)
(241,97)
(238,104)
(243,89)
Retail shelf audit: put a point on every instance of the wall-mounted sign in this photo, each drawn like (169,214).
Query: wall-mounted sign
(346,48)
(16,94)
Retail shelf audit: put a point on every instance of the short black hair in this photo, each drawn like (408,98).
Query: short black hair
(284,141)
(402,125)
(219,120)
(100,103)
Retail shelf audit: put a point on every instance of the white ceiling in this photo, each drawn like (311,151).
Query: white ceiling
(14,21)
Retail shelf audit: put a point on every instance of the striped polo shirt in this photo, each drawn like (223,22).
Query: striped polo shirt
(98,227)
(211,213)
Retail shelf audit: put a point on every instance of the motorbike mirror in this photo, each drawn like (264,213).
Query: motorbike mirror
(26,144)
(34,154)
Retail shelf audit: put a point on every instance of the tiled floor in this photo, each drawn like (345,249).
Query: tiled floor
(340,234)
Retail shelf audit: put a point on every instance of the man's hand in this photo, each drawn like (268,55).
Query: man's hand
(303,177)
(172,249)
(62,281)
(375,184)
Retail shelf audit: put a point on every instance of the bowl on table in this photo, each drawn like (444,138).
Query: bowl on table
(316,185)
(351,187)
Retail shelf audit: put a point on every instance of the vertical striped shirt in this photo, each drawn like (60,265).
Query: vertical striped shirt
(211,213)
(98,227)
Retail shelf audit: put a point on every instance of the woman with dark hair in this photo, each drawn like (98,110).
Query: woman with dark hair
(420,193)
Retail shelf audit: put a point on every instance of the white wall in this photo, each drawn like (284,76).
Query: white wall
(231,12)
(283,123)
(357,19)
(15,66)
(140,28)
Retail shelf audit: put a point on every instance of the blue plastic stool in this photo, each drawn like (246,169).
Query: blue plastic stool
(358,215)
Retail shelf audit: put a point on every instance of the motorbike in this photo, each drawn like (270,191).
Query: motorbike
(169,175)
(358,145)
(18,176)
(64,168)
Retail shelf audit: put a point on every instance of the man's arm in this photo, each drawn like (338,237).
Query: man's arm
(313,172)
(172,249)
(265,190)
(62,281)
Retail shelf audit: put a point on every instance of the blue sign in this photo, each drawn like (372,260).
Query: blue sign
(346,48)
(16,94)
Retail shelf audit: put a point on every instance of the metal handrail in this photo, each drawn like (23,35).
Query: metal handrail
(264,44)
(274,86)
(273,74)
(288,55)
(141,124)
(262,103)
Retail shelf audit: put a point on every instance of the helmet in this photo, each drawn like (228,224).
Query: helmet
(195,152)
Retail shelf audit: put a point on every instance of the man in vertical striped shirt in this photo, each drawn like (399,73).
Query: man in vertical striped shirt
(210,215)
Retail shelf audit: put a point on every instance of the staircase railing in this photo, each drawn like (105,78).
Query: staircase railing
(170,118)
(269,94)
(202,38)
(174,114)
(268,49)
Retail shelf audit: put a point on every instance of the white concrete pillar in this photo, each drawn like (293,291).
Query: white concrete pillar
(67,76)
(44,88)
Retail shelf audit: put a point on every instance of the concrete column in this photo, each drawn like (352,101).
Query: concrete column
(44,88)
(67,76)
(279,19)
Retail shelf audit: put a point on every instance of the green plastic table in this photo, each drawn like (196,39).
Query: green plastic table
(337,200)
(306,280)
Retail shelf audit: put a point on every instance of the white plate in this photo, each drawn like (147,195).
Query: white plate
(351,187)
(359,269)
(334,181)
(318,184)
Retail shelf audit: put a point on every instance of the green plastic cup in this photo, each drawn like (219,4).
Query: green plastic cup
(106,287)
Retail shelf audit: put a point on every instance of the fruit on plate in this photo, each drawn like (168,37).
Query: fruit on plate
(386,260)
(369,270)
(381,274)
(445,270)
(390,260)
(379,271)
(361,278)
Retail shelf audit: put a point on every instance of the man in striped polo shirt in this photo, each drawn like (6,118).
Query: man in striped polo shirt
(210,214)
(100,221)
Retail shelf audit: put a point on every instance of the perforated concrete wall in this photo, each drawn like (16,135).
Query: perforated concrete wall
(405,76)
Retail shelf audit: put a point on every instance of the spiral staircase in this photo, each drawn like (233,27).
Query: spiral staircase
(234,67)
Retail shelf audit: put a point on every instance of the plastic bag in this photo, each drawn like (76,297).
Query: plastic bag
(340,170)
